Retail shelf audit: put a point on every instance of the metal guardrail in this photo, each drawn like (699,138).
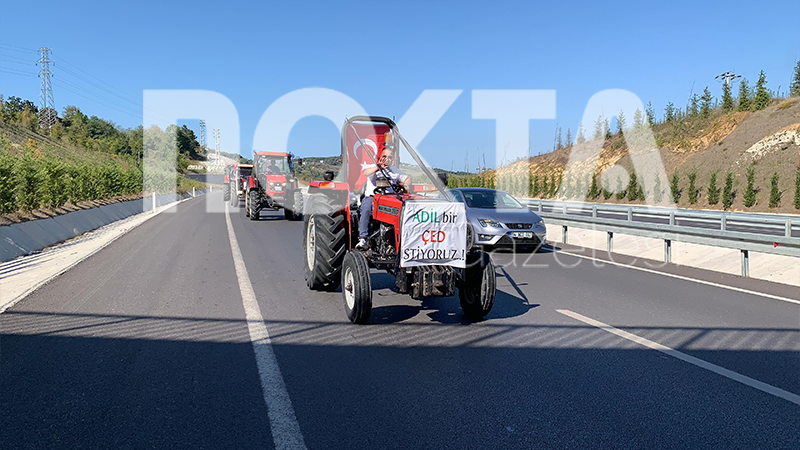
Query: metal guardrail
(673,225)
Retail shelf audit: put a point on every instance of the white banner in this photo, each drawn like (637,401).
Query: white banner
(433,233)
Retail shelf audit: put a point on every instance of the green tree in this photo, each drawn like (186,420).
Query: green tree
(594,189)
(750,191)
(536,188)
(638,119)
(554,184)
(705,102)
(8,197)
(794,87)
(713,190)
(727,98)
(727,191)
(598,128)
(669,112)
(621,122)
(633,187)
(774,192)
(744,95)
(762,96)
(674,186)
(620,190)
(658,193)
(693,191)
(651,114)
(607,129)
(581,137)
(693,108)
(797,189)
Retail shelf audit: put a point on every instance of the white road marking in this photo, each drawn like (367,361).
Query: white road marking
(283,422)
(680,277)
(761,386)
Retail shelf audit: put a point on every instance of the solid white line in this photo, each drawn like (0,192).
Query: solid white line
(283,422)
(761,386)
(680,277)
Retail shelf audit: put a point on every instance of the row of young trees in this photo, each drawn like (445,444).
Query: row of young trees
(556,185)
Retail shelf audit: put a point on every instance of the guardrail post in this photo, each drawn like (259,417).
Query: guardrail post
(193,194)
(788,227)
(723,224)
(540,206)
(672,218)
(667,250)
(610,241)
(564,209)
(630,214)
(745,263)
(154,202)
(564,234)
(594,211)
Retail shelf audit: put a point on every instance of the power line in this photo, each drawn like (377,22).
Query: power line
(14,48)
(727,77)
(17,72)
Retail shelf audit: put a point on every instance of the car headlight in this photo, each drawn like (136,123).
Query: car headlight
(490,223)
(540,222)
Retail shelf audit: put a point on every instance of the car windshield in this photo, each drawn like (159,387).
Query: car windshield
(490,199)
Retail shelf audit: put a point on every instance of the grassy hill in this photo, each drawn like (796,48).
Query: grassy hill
(767,140)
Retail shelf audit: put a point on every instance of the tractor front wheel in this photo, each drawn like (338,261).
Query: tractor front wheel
(234,195)
(254,205)
(226,192)
(356,287)
(478,287)
(294,210)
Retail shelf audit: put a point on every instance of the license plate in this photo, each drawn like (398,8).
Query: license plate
(522,234)
(278,188)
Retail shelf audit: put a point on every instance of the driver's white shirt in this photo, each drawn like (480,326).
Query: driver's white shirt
(393,171)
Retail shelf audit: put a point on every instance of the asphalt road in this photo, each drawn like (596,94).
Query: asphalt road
(145,345)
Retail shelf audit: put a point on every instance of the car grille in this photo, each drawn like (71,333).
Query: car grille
(519,226)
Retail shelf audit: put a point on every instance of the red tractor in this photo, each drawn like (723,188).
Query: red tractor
(424,242)
(226,184)
(273,185)
(236,180)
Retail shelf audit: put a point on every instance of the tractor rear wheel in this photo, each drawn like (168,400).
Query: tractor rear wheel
(324,243)
(477,289)
(226,192)
(356,287)
(254,205)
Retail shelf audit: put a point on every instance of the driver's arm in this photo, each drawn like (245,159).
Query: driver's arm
(369,170)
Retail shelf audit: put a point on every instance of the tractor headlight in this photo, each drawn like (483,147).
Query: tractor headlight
(490,223)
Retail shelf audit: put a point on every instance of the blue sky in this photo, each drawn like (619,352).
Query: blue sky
(384,54)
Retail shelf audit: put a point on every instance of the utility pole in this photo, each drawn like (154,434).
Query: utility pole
(203,134)
(727,77)
(47,106)
(216,140)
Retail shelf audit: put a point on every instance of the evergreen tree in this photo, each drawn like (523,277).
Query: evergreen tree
(692,194)
(727,191)
(669,112)
(638,120)
(569,138)
(763,96)
(658,194)
(750,191)
(774,193)
(633,187)
(727,98)
(713,190)
(705,102)
(674,186)
(620,191)
(555,184)
(594,190)
(794,87)
(797,189)
(578,192)
(744,95)
(598,128)
(651,114)
(692,109)
(605,191)
(607,129)
(545,188)
(621,123)
(536,187)
(581,138)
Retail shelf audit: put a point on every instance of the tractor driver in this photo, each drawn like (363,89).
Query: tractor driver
(372,173)
(273,168)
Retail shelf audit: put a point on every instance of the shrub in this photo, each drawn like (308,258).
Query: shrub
(750,191)
(693,191)
(727,191)
(619,191)
(8,200)
(774,193)
(594,189)
(674,187)
(633,187)
(658,194)
(713,190)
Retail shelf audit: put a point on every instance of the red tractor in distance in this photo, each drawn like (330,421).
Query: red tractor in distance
(226,183)
(272,184)
(424,242)
(236,181)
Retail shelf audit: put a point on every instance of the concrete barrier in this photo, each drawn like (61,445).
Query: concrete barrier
(29,237)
